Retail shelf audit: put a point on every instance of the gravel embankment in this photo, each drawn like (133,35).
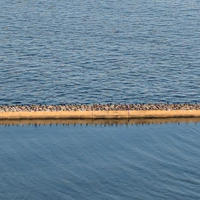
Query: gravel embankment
(103,107)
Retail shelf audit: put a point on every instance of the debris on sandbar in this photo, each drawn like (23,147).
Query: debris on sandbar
(97,107)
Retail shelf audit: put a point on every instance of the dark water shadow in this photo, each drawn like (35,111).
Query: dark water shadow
(103,122)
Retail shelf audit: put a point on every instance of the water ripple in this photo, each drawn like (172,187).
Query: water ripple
(75,52)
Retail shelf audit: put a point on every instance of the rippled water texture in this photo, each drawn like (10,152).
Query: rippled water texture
(94,162)
(99,51)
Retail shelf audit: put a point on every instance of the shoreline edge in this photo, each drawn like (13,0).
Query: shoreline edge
(100,114)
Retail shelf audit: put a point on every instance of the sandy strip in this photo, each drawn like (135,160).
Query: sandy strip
(119,114)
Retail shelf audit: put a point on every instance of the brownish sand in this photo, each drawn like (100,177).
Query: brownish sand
(100,111)
(118,114)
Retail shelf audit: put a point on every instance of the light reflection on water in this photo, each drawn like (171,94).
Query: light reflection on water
(100,162)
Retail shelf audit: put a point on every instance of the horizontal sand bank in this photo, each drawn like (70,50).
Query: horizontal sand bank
(99,111)
(121,114)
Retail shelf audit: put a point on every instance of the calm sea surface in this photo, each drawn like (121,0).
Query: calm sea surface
(99,51)
(95,162)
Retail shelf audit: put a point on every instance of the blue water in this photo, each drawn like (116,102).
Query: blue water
(99,51)
(95,162)
(106,51)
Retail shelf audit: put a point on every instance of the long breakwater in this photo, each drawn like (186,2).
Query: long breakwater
(99,111)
